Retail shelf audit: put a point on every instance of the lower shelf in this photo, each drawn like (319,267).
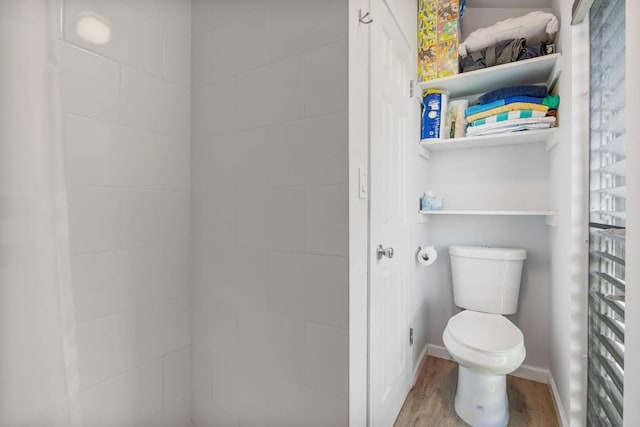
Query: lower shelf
(497,212)
(548,136)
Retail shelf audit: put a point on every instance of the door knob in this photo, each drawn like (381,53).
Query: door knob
(388,252)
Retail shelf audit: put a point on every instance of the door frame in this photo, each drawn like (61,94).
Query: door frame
(358,176)
(358,214)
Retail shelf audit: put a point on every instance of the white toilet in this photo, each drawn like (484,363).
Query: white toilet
(487,346)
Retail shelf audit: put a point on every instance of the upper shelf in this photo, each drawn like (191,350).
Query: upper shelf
(543,69)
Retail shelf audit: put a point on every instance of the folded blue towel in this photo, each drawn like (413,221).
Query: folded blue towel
(475,109)
(535,91)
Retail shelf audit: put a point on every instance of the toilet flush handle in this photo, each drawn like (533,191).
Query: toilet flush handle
(388,252)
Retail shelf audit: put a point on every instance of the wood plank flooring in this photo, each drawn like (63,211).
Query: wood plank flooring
(430,402)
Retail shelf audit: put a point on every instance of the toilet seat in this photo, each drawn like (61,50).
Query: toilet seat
(490,333)
(486,342)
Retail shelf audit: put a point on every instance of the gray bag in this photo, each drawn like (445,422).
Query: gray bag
(501,53)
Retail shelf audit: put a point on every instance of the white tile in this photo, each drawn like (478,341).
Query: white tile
(215,109)
(159,273)
(154,217)
(200,59)
(94,151)
(287,283)
(90,84)
(310,287)
(177,58)
(176,415)
(250,373)
(157,161)
(135,39)
(327,290)
(253,333)
(208,15)
(103,284)
(235,275)
(327,359)
(326,220)
(106,347)
(150,385)
(247,50)
(201,171)
(112,403)
(202,383)
(163,328)
(239,159)
(94,217)
(272,94)
(293,405)
(177,376)
(150,103)
(309,152)
(286,349)
(326,79)
(295,26)
(326,149)
(125,400)
(285,218)
(252,223)
(174,14)
(251,270)
(213,214)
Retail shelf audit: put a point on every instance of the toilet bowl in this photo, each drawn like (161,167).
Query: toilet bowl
(486,345)
(487,348)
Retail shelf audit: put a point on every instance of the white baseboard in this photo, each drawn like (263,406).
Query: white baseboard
(418,367)
(438,351)
(557,402)
(528,372)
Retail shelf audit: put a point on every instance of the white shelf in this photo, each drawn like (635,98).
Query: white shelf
(485,213)
(543,69)
(548,136)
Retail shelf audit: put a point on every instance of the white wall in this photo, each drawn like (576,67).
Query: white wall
(569,255)
(127,139)
(270,213)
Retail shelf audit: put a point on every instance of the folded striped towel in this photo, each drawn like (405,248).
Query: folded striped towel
(513,125)
(509,115)
(509,107)
(551,101)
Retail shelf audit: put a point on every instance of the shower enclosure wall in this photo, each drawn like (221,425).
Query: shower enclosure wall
(174,213)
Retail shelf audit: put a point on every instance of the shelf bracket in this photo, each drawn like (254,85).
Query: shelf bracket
(552,221)
(423,152)
(554,76)
(553,140)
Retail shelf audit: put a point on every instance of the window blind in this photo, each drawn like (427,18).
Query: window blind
(607,216)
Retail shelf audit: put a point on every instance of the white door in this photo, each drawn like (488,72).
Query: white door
(389,348)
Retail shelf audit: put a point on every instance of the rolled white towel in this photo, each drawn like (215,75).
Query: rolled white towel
(534,26)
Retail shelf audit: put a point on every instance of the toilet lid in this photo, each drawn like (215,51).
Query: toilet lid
(491,333)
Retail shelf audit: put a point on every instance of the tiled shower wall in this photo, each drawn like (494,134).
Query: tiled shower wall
(269,213)
(127,139)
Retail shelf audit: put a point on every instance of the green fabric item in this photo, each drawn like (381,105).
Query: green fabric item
(552,101)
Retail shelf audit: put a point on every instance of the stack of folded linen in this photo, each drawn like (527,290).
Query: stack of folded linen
(512,109)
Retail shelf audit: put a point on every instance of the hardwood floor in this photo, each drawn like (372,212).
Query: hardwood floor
(430,403)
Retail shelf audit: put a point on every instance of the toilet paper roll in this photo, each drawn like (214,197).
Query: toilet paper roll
(428,255)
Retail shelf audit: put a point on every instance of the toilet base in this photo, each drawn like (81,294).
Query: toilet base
(481,400)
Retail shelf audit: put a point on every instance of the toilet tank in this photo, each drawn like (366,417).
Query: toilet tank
(486,279)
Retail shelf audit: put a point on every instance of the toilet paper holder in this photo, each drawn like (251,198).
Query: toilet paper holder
(424,256)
